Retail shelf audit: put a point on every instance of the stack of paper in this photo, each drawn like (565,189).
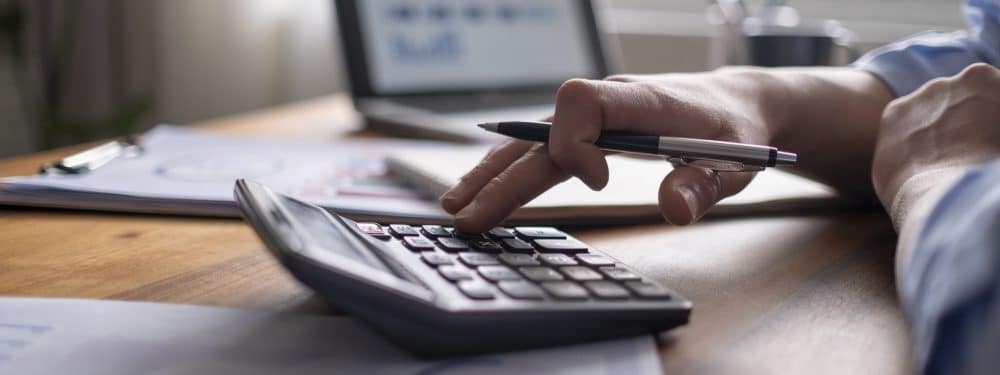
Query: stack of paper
(59,336)
(183,171)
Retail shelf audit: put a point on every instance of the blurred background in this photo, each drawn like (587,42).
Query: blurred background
(74,71)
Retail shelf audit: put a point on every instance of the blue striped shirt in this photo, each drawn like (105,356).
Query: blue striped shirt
(950,286)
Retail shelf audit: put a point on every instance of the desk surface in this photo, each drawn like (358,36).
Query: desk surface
(810,294)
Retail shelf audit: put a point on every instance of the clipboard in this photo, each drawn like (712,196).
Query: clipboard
(95,157)
(170,170)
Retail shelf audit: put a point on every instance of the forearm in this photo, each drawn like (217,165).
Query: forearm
(830,117)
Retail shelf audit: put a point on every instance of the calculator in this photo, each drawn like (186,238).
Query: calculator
(437,292)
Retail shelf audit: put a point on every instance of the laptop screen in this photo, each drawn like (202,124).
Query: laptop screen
(443,45)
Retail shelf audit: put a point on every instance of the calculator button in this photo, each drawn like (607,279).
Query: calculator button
(435,231)
(595,260)
(402,230)
(467,236)
(418,243)
(437,259)
(373,230)
(581,273)
(521,290)
(455,273)
(565,290)
(500,233)
(475,290)
(535,233)
(515,245)
(560,246)
(452,244)
(478,259)
(557,259)
(648,290)
(606,289)
(618,273)
(540,273)
(498,273)
(486,246)
(518,260)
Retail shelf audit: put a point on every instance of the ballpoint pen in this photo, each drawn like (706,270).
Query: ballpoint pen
(715,155)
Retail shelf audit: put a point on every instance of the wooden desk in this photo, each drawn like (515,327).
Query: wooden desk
(772,295)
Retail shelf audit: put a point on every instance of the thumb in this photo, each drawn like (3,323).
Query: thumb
(688,192)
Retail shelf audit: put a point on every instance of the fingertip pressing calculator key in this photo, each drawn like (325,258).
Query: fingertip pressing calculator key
(439,292)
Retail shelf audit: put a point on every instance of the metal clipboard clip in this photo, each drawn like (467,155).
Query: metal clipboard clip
(91,159)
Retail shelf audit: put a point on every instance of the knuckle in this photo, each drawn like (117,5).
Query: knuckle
(576,90)
(937,84)
(622,78)
(977,72)
(563,159)
(895,110)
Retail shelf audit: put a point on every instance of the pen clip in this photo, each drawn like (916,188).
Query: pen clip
(715,165)
(91,159)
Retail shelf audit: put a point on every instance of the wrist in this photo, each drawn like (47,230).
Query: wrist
(766,91)
(914,199)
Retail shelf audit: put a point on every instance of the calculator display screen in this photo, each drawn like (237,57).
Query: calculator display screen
(323,233)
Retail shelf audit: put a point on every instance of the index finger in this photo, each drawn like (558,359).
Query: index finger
(525,179)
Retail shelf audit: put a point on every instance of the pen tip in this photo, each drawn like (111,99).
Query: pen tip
(490,126)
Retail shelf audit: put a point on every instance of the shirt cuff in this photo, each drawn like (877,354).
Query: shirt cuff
(906,65)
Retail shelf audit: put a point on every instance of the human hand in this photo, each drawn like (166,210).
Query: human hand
(932,136)
(722,105)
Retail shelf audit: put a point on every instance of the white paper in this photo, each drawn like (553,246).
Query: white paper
(185,168)
(66,336)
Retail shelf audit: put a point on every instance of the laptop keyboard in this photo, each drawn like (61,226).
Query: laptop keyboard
(523,263)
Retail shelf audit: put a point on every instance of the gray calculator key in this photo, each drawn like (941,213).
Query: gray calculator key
(518,260)
(467,236)
(475,290)
(498,273)
(560,246)
(500,232)
(435,231)
(595,260)
(374,230)
(540,273)
(486,246)
(557,259)
(402,230)
(455,273)
(418,243)
(535,233)
(452,244)
(516,245)
(606,289)
(618,273)
(521,290)
(437,259)
(478,259)
(565,290)
(581,273)
(648,290)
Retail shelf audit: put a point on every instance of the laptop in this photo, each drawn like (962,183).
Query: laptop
(437,68)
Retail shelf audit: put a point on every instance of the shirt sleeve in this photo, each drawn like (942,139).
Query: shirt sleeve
(906,65)
(950,287)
